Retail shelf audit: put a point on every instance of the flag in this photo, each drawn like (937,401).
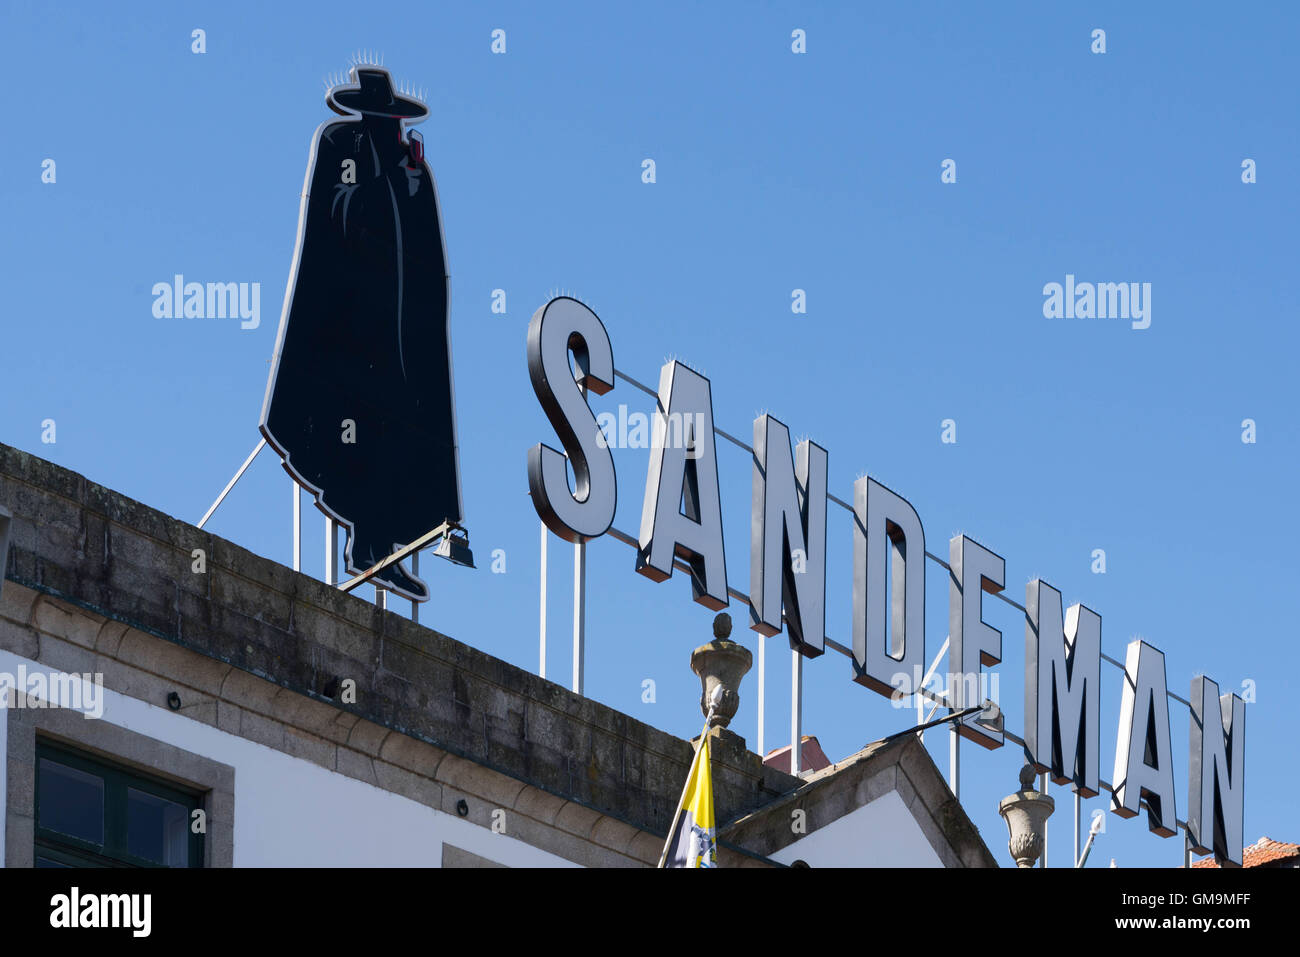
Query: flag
(692,842)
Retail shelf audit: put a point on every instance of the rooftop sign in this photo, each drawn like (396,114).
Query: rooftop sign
(360,399)
(681,519)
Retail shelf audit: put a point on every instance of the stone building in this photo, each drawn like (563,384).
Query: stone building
(251,715)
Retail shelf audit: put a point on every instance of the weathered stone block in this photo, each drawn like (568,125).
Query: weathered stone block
(355,765)
(538,804)
(577,819)
(497,789)
(313,748)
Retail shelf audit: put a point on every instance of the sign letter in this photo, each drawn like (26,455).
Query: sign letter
(1144,770)
(562,326)
(1062,688)
(787,561)
(682,514)
(888,630)
(1216,780)
(974,570)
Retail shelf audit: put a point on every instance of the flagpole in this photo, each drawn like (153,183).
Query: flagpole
(681,801)
(672,828)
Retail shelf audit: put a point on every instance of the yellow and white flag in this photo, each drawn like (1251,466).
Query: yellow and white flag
(692,842)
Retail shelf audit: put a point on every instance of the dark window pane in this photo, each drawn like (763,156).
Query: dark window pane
(72,802)
(46,862)
(157,829)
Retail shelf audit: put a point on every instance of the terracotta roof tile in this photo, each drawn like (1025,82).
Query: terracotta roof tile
(1264,851)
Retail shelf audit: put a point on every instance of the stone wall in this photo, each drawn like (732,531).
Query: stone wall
(98,582)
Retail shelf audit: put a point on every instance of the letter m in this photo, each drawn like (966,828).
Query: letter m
(116,910)
(1112,300)
(223,300)
(1062,688)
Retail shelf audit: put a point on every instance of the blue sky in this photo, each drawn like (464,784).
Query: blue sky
(775,171)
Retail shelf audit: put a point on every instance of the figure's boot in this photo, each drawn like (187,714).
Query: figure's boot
(366,553)
(396,577)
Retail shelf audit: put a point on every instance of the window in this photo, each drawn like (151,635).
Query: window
(90,813)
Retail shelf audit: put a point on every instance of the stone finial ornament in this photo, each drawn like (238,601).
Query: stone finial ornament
(722,625)
(721,664)
(1026,813)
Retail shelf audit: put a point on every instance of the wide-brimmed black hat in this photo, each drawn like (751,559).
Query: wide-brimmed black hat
(373,94)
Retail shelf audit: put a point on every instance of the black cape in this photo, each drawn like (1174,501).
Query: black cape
(365,337)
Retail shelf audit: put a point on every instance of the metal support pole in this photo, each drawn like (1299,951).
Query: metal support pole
(954,763)
(579,600)
(796,712)
(331,552)
(1087,849)
(399,556)
(381,598)
(762,694)
(579,612)
(920,712)
(415,572)
(1078,813)
(297,526)
(231,484)
(541,622)
(1042,788)
(921,717)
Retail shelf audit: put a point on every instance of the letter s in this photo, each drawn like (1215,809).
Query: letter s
(562,326)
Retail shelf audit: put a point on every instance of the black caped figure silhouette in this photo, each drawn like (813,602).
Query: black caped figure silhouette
(360,403)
